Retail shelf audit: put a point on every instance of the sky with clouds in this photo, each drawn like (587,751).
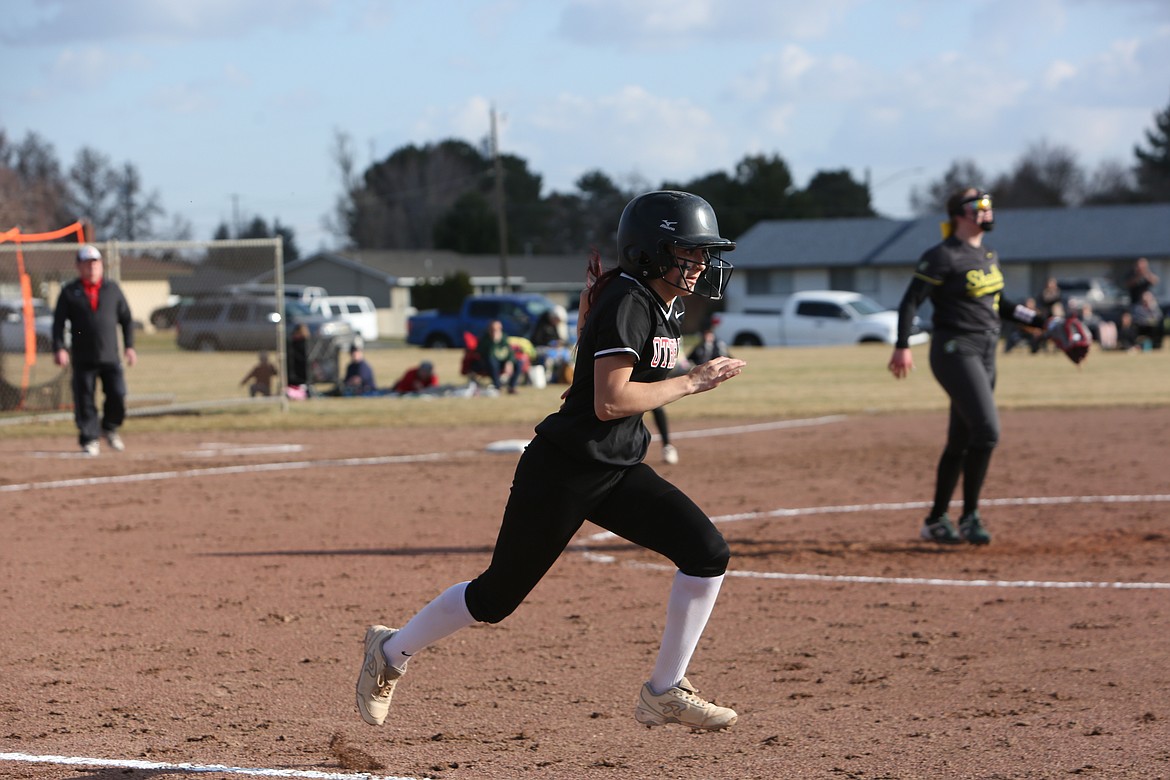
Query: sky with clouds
(232,106)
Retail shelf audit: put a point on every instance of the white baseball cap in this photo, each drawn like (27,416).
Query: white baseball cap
(88,252)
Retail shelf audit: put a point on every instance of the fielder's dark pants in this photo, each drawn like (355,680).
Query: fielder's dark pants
(553,494)
(89,426)
(964,364)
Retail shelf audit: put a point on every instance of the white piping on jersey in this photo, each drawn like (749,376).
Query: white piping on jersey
(617,351)
(667,313)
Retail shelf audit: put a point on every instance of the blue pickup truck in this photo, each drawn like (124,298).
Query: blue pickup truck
(517,311)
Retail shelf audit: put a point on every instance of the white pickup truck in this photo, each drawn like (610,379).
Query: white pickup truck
(814,318)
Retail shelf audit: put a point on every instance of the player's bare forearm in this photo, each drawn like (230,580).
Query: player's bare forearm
(615,396)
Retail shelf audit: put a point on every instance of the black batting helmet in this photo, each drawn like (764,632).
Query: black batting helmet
(654,222)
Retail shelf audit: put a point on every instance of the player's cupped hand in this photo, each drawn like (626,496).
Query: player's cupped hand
(715,372)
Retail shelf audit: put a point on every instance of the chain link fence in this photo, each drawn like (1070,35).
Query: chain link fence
(206,332)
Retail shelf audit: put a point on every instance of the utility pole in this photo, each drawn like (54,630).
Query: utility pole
(501,219)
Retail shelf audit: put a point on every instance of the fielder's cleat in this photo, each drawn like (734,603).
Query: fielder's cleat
(972,530)
(669,454)
(940,530)
(375,684)
(683,705)
(116,443)
(92,448)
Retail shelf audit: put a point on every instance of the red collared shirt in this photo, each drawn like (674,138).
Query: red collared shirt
(91,292)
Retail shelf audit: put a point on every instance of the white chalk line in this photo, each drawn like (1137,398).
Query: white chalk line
(209,449)
(212,449)
(935,581)
(293,465)
(905,505)
(195,768)
(900,506)
(755,428)
(518,445)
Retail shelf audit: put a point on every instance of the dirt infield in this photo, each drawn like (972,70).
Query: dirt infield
(203,600)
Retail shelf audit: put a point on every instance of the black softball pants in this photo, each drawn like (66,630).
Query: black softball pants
(964,364)
(553,494)
(85,414)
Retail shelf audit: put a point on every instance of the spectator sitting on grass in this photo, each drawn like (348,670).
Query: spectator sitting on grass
(420,379)
(359,377)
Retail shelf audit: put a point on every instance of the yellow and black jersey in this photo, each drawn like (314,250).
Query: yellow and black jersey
(965,285)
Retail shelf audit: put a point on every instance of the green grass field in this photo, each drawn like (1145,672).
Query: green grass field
(777,383)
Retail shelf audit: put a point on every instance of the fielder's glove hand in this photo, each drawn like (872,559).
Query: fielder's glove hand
(1070,336)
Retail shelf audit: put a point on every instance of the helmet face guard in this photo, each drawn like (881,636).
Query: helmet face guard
(711,283)
(654,224)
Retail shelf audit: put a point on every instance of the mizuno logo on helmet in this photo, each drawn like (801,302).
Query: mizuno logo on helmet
(668,224)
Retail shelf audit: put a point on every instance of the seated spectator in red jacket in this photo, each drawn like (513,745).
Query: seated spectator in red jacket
(418,380)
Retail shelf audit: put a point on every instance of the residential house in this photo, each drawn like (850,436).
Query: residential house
(877,256)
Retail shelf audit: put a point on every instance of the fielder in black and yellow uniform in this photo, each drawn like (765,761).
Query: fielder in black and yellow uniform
(964,282)
(586,462)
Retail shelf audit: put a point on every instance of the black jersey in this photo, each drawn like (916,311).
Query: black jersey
(628,318)
(965,284)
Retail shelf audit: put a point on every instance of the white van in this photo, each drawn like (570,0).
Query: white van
(357,310)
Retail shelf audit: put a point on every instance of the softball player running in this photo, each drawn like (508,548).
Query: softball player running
(964,282)
(586,463)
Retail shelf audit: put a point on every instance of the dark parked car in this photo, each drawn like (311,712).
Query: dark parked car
(12,325)
(163,317)
(1107,299)
(248,322)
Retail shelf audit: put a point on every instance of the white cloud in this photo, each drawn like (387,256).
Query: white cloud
(1057,73)
(654,24)
(778,119)
(188,99)
(628,131)
(90,67)
(56,21)
(236,76)
(472,120)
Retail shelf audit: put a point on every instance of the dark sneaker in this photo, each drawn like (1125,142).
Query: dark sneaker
(972,530)
(940,530)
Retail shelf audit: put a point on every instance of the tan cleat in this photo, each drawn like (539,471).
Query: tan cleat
(375,684)
(682,704)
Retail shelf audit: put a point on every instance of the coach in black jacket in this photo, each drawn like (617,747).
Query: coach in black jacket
(94,307)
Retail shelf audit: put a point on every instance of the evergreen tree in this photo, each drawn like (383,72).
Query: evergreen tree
(133,210)
(93,182)
(1153,170)
(833,194)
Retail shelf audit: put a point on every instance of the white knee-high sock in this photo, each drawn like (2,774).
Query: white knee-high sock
(442,617)
(690,605)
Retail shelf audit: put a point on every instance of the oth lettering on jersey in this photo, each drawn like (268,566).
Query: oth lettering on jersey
(665,352)
(980,282)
